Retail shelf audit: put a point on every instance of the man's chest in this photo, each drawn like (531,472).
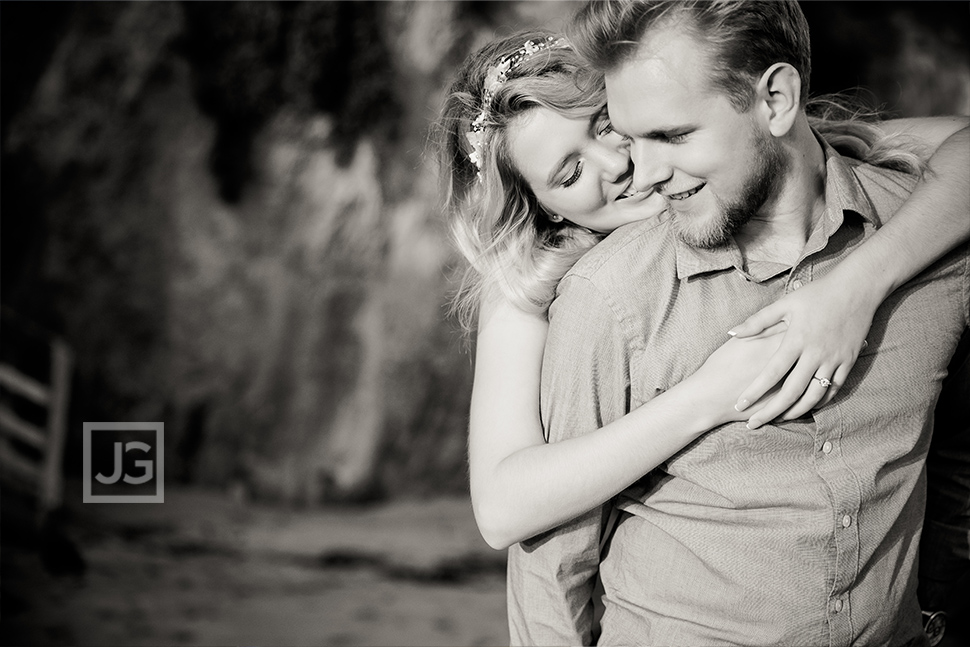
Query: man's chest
(685,325)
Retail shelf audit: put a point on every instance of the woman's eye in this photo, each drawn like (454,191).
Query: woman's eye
(571,180)
(606,130)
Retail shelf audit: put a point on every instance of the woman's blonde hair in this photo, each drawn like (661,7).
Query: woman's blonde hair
(513,249)
(854,131)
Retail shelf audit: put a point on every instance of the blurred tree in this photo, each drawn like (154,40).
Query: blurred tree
(907,58)
(227,210)
(249,60)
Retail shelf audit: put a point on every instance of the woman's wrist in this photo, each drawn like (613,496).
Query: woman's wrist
(698,410)
(866,282)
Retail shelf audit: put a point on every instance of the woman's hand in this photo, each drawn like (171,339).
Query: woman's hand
(827,326)
(717,384)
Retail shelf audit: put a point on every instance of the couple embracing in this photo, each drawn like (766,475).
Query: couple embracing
(712,331)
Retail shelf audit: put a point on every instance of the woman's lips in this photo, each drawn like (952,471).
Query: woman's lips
(630,192)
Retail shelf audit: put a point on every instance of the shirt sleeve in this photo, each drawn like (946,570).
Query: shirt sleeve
(585,384)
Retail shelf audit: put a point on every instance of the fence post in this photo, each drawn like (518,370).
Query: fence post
(51,490)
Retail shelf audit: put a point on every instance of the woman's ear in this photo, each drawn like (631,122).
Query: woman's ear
(779,93)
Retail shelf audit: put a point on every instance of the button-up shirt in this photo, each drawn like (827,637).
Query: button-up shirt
(798,533)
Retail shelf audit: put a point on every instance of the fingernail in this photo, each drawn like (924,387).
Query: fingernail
(741,405)
(748,425)
(732,333)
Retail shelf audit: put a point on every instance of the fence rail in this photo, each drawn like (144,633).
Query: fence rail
(38,470)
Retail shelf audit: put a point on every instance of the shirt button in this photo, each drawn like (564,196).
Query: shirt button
(826,447)
(838,606)
(796,284)
(846,521)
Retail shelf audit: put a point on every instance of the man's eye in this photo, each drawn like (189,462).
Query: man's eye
(571,180)
(667,138)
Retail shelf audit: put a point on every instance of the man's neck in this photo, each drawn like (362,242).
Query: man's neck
(781,228)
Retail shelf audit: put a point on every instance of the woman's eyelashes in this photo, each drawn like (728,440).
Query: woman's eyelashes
(572,179)
(607,133)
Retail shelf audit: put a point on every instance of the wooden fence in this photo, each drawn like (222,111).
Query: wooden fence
(30,453)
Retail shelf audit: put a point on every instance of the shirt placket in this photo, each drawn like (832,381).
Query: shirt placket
(832,466)
(844,488)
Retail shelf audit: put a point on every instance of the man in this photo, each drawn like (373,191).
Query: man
(801,533)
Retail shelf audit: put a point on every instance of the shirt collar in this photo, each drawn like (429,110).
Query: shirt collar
(843,192)
(692,260)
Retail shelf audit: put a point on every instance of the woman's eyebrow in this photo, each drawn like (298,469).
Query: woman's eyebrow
(551,180)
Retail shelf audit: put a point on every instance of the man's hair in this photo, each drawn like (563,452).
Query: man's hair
(744,37)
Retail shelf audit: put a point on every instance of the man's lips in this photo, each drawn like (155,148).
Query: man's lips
(683,195)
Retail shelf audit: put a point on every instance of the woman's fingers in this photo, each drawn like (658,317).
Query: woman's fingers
(819,389)
(759,321)
(773,373)
(794,388)
(837,381)
(817,392)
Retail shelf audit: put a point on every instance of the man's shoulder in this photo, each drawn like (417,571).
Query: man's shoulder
(629,248)
(626,270)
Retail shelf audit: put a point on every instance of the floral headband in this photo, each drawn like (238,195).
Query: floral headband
(496,76)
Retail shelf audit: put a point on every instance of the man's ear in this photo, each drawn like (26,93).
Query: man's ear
(779,94)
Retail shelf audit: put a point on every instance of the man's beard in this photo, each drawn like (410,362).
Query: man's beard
(716,231)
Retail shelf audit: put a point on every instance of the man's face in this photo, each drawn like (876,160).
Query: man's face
(717,167)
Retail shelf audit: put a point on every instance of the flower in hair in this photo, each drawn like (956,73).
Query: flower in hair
(476,139)
(497,75)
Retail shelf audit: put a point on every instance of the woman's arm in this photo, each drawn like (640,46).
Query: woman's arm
(521,486)
(828,319)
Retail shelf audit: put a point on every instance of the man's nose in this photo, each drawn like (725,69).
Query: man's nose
(651,167)
(614,162)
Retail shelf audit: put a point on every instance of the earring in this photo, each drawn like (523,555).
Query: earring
(555,217)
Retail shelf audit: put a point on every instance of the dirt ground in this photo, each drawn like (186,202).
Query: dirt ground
(202,570)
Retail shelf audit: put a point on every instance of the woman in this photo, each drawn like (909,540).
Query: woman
(518,248)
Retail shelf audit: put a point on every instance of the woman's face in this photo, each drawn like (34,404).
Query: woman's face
(579,169)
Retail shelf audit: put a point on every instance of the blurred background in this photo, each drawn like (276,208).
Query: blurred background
(225,214)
